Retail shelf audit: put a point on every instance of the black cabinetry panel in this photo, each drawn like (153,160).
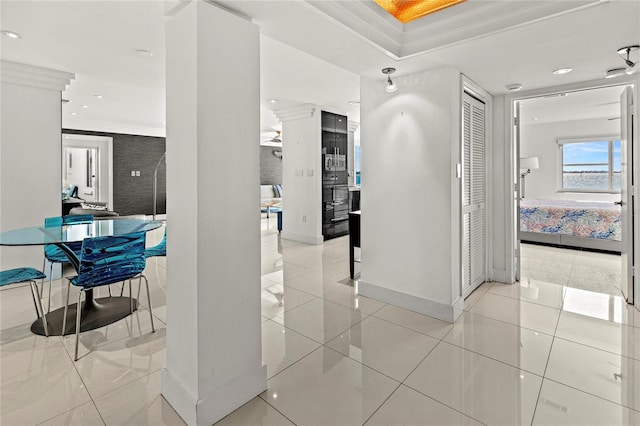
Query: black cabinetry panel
(335,192)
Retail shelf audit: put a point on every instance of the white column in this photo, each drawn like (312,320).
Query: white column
(30,153)
(301,174)
(214,360)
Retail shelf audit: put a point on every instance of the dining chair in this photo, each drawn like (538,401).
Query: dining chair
(159,249)
(105,261)
(30,275)
(53,253)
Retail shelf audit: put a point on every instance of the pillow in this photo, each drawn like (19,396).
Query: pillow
(90,206)
(277,189)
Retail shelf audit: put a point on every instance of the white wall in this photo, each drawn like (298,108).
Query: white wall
(500,182)
(410,256)
(540,140)
(301,175)
(30,154)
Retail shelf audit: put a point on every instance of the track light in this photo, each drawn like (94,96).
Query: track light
(391,86)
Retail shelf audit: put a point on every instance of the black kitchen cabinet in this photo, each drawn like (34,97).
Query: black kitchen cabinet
(335,190)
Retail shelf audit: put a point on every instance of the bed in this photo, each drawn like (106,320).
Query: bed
(584,224)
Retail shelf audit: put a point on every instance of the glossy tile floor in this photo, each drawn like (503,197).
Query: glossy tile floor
(537,353)
(587,270)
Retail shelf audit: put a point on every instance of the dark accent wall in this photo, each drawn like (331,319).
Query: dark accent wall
(270,166)
(134,195)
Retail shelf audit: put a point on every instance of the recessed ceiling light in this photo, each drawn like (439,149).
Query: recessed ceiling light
(11,34)
(615,72)
(84,106)
(98,96)
(66,101)
(72,113)
(273,101)
(535,118)
(560,71)
(144,52)
(354,102)
(514,87)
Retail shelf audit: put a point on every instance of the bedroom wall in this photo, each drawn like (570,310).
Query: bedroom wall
(540,140)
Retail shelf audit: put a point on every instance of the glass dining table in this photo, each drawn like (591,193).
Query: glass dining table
(96,312)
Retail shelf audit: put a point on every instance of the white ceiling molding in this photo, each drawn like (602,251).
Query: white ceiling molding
(466,21)
(29,75)
(295,113)
(352,126)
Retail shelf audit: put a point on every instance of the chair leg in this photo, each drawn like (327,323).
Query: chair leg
(130,298)
(36,293)
(109,290)
(50,278)
(66,307)
(78,324)
(35,304)
(146,281)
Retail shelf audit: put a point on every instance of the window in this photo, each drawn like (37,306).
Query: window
(590,165)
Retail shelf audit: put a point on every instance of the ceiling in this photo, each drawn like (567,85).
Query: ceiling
(314,51)
(594,104)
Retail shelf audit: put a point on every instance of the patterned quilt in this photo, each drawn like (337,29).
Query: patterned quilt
(581,219)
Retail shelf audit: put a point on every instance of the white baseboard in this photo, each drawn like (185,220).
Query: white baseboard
(444,312)
(499,275)
(223,400)
(307,239)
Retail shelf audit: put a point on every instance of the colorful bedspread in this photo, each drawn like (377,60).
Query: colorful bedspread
(577,218)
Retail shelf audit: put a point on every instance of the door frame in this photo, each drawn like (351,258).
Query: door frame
(73,140)
(511,165)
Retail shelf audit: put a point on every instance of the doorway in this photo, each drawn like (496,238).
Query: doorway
(87,166)
(574,211)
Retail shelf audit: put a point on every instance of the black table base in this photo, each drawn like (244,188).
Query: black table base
(96,313)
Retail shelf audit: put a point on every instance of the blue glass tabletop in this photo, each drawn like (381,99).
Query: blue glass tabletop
(39,235)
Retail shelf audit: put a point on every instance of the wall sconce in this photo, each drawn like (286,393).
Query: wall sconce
(391,86)
(528,163)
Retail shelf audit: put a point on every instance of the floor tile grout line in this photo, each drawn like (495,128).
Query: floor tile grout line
(380,406)
(506,322)
(595,348)
(592,394)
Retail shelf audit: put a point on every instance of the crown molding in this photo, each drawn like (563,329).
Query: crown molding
(295,113)
(352,126)
(30,75)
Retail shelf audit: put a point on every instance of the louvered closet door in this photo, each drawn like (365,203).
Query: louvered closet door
(473,195)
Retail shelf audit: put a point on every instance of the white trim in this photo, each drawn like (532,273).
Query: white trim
(295,113)
(441,311)
(307,239)
(29,75)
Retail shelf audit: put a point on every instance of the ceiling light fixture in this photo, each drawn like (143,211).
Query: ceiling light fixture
(561,71)
(85,106)
(98,96)
(514,87)
(391,86)
(273,101)
(354,102)
(407,11)
(72,113)
(615,72)
(11,34)
(625,52)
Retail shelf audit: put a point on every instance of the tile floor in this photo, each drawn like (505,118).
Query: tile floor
(542,353)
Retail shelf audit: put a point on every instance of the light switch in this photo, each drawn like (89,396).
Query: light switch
(133,172)
(309,172)
(137,172)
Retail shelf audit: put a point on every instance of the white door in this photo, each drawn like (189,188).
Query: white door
(626,191)
(473,195)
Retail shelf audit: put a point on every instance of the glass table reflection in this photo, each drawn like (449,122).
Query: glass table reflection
(96,312)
